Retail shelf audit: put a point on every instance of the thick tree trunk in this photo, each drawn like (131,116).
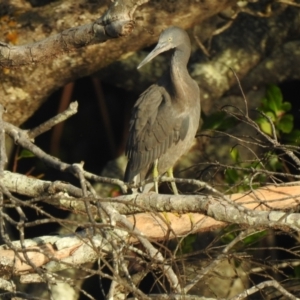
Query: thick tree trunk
(24,89)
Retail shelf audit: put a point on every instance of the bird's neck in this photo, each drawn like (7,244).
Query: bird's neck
(180,77)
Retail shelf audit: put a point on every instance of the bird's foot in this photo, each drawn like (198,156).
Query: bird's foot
(174,188)
(173,183)
(191,217)
(165,214)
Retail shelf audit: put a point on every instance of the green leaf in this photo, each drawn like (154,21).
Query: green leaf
(274,163)
(274,97)
(230,233)
(234,153)
(231,176)
(286,123)
(228,237)
(286,106)
(265,105)
(26,154)
(271,116)
(187,244)
(218,121)
(254,238)
(264,122)
(213,121)
(293,137)
(264,125)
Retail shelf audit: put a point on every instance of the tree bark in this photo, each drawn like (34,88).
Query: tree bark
(24,88)
(264,207)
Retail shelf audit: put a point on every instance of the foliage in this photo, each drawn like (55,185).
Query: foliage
(231,232)
(275,110)
(274,116)
(25,154)
(218,121)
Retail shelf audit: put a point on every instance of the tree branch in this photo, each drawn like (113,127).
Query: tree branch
(255,209)
(116,22)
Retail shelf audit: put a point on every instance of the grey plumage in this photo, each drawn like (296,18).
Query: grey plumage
(166,116)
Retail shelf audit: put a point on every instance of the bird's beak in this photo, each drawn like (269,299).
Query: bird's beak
(160,47)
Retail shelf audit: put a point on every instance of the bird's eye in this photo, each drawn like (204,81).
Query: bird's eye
(169,39)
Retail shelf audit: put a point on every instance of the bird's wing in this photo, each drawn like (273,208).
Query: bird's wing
(154,127)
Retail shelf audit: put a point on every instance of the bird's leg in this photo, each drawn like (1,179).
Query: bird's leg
(155,179)
(173,184)
(174,188)
(175,191)
(155,175)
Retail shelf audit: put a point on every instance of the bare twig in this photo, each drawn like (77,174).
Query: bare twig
(3,156)
(263,285)
(21,137)
(58,129)
(61,117)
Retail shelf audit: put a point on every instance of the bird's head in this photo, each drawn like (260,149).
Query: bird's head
(170,38)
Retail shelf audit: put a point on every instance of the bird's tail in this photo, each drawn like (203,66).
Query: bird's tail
(137,179)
